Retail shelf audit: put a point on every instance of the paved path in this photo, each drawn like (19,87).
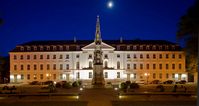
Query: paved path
(99,96)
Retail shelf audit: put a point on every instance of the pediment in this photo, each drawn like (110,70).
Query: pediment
(104,46)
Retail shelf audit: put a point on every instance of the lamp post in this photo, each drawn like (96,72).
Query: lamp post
(147,77)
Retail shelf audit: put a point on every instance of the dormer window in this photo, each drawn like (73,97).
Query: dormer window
(67,47)
(77,47)
(118,47)
(173,47)
(28,48)
(141,47)
(41,47)
(128,47)
(166,47)
(54,48)
(47,47)
(35,48)
(147,47)
(60,47)
(154,47)
(160,47)
(22,48)
(134,47)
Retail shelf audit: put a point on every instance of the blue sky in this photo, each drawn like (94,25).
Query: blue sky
(27,20)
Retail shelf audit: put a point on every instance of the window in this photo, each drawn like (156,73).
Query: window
(90,56)
(35,48)
(106,64)
(154,76)
(173,75)
(167,75)
(61,76)
(118,55)
(54,66)
(147,56)
(67,66)
(106,56)
(41,66)
(54,48)
(147,66)
(54,76)
(154,66)
(173,56)
(48,47)
(128,56)
(154,56)
(128,47)
(35,76)
(141,56)
(167,56)
(35,67)
(160,56)
(15,57)
(173,66)
(134,75)
(77,75)
(141,66)
(106,75)
(167,66)
(28,67)
(61,67)
(61,57)
(134,56)
(160,66)
(48,66)
(180,66)
(22,76)
(54,56)
(28,57)
(21,57)
(90,64)
(41,76)
(160,75)
(21,67)
(15,67)
(48,57)
(180,56)
(35,56)
(118,65)
(134,47)
(41,56)
(128,66)
(90,75)
(67,56)
(118,74)
(28,76)
(77,65)
(77,56)
(134,66)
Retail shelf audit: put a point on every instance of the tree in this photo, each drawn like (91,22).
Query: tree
(4,69)
(189,31)
(1,21)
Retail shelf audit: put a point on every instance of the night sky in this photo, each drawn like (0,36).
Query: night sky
(27,20)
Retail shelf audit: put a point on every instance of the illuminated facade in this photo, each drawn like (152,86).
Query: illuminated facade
(134,60)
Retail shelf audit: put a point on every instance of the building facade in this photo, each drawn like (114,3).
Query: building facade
(121,60)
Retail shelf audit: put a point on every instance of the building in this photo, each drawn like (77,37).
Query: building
(117,60)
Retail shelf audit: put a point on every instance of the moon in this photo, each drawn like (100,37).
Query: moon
(110,4)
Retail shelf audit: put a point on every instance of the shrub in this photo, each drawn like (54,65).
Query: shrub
(128,83)
(66,85)
(124,85)
(161,88)
(58,85)
(75,84)
(134,86)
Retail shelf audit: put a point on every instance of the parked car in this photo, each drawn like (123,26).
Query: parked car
(168,82)
(181,82)
(155,82)
(140,82)
(35,83)
(48,82)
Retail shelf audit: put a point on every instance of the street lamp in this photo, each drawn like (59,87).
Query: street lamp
(147,77)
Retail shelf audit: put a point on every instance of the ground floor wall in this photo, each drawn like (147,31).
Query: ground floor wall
(110,76)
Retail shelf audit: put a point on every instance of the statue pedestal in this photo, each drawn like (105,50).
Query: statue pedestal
(98,76)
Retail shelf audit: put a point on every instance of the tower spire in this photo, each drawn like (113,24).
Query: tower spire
(97,32)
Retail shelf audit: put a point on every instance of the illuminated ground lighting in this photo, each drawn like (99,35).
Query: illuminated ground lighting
(116,88)
(55,82)
(110,4)
(81,89)
(77,97)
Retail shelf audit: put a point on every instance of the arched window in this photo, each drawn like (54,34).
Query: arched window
(90,64)
(118,65)
(77,65)
(106,64)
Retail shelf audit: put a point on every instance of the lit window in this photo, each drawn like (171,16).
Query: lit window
(106,75)
(61,67)
(118,74)
(35,76)
(90,75)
